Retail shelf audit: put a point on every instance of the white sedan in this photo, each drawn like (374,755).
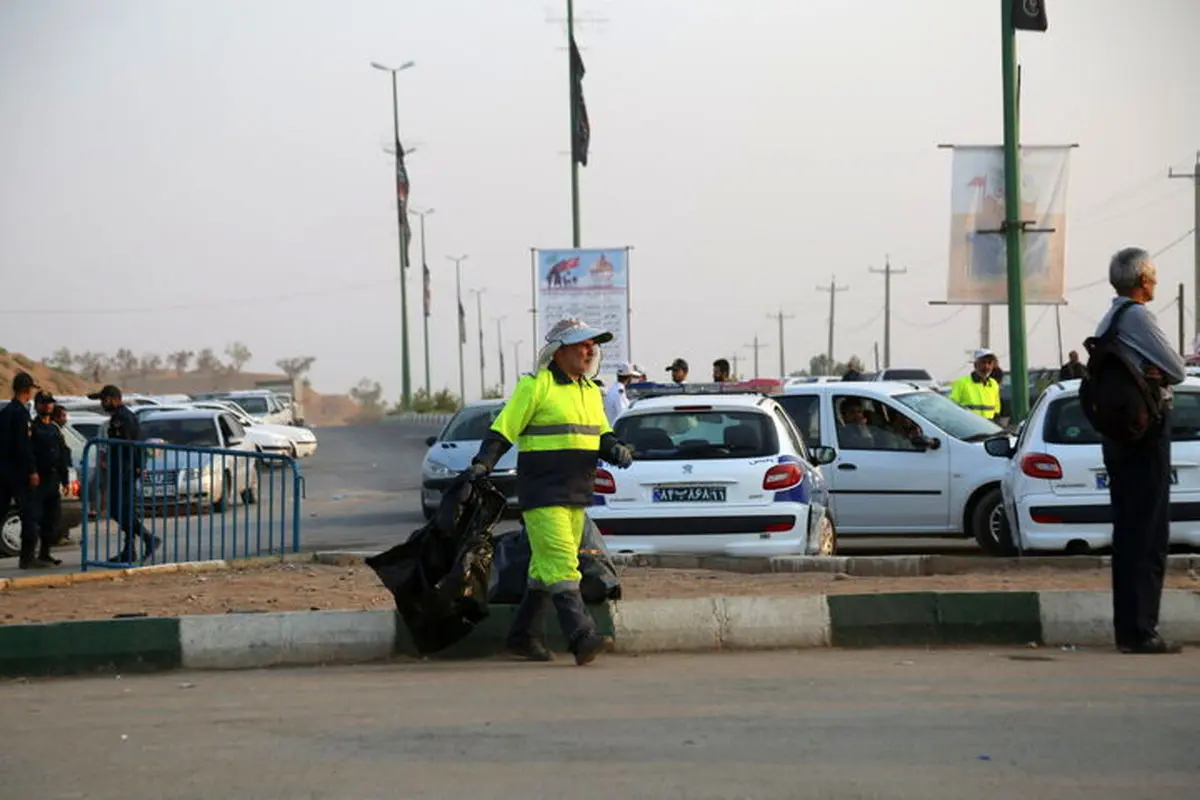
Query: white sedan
(714,474)
(300,442)
(1056,487)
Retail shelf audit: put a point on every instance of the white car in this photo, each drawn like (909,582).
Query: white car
(195,476)
(916,377)
(302,442)
(909,461)
(1056,487)
(261,404)
(714,474)
(264,441)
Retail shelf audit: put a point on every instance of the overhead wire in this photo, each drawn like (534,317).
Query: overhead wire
(1174,243)
(852,328)
(931,324)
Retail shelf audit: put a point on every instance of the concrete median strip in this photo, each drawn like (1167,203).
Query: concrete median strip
(255,640)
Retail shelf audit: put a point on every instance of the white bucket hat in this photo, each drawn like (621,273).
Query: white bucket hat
(566,332)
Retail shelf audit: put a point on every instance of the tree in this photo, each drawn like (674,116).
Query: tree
(819,365)
(207,361)
(493,393)
(179,360)
(62,359)
(239,355)
(368,394)
(151,362)
(92,365)
(125,361)
(295,367)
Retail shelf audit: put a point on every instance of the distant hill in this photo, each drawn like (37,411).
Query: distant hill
(319,409)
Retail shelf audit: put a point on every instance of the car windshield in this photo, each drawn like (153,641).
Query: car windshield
(471,424)
(90,430)
(949,416)
(1067,424)
(196,432)
(907,375)
(253,405)
(75,442)
(670,434)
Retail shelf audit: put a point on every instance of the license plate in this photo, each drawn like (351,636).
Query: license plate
(160,491)
(1102,479)
(689,494)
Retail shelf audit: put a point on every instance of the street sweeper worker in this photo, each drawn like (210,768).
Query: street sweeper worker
(556,418)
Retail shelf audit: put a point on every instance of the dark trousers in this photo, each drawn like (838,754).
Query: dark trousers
(46,508)
(122,509)
(1139,484)
(16,489)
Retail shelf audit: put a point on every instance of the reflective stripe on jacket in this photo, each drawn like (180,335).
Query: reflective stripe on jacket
(982,397)
(556,424)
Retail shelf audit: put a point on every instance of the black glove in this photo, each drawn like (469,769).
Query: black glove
(614,452)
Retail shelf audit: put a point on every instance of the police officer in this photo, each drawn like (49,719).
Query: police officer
(124,467)
(18,470)
(53,461)
(556,418)
(979,391)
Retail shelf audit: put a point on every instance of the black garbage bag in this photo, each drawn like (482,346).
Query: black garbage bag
(439,577)
(510,567)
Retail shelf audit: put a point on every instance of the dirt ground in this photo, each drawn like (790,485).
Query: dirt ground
(302,587)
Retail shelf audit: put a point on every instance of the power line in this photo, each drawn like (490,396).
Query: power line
(868,323)
(1174,243)
(932,324)
(1170,194)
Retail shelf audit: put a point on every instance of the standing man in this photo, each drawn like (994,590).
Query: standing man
(1073,369)
(615,398)
(721,371)
(124,466)
(556,419)
(53,461)
(1139,473)
(59,415)
(679,371)
(18,470)
(854,370)
(979,391)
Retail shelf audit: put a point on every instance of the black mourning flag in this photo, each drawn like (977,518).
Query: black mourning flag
(582,132)
(1029,15)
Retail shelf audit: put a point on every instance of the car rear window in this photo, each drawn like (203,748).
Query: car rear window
(906,375)
(471,424)
(669,434)
(1066,423)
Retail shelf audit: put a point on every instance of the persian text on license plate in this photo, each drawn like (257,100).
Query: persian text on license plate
(689,494)
(1102,479)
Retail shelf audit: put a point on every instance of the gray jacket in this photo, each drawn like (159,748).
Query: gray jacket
(1143,342)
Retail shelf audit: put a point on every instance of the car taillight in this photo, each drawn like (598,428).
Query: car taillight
(1041,465)
(74,488)
(782,476)
(605,483)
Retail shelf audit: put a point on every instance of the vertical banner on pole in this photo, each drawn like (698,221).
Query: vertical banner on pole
(591,285)
(977,247)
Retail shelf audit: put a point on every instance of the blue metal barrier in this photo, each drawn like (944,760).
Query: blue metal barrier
(156,503)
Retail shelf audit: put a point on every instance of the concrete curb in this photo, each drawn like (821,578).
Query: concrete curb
(58,580)
(246,641)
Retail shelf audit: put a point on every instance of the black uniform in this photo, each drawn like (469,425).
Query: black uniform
(16,465)
(124,464)
(53,460)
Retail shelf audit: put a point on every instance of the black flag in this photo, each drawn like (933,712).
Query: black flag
(1029,15)
(582,132)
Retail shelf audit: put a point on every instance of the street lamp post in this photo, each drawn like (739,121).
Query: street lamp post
(500,351)
(425,278)
(462,329)
(479,319)
(401,199)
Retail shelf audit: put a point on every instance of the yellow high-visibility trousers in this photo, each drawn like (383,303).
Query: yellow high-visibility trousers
(555,533)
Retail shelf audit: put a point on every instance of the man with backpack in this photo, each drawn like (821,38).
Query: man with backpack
(1126,394)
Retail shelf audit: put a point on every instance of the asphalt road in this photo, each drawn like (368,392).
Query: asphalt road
(814,724)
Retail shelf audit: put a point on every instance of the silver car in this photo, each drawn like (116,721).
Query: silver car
(451,451)
(194,476)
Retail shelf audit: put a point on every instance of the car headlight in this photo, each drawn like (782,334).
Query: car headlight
(436,469)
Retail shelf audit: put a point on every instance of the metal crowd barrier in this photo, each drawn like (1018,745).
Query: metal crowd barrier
(185,504)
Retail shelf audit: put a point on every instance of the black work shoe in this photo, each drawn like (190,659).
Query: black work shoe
(36,563)
(586,648)
(1151,645)
(530,650)
(49,560)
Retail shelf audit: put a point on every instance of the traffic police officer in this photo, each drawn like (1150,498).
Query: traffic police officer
(18,471)
(979,391)
(53,460)
(124,465)
(556,418)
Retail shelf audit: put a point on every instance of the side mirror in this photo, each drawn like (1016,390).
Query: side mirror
(234,441)
(932,443)
(430,441)
(822,455)
(999,447)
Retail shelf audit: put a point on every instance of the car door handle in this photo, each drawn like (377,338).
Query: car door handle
(848,467)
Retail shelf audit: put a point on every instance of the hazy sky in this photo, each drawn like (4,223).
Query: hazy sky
(183,174)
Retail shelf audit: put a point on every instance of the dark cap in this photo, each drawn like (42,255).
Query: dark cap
(22,381)
(678,363)
(43,398)
(105,393)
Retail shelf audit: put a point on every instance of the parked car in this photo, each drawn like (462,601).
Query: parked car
(82,404)
(451,451)
(263,439)
(715,473)
(916,377)
(195,476)
(1056,487)
(1039,379)
(72,515)
(261,404)
(916,467)
(301,442)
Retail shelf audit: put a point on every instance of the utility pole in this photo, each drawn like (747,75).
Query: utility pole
(479,319)
(500,351)
(779,317)
(1195,176)
(877,356)
(517,360)
(833,289)
(462,329)
(887,272)
(425,279)
(1058,331)
(737,375)
(404,233)
(756,347)
(985,326)
(1182,315)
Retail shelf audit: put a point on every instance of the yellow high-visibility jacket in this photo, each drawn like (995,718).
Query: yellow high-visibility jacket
(980,396)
